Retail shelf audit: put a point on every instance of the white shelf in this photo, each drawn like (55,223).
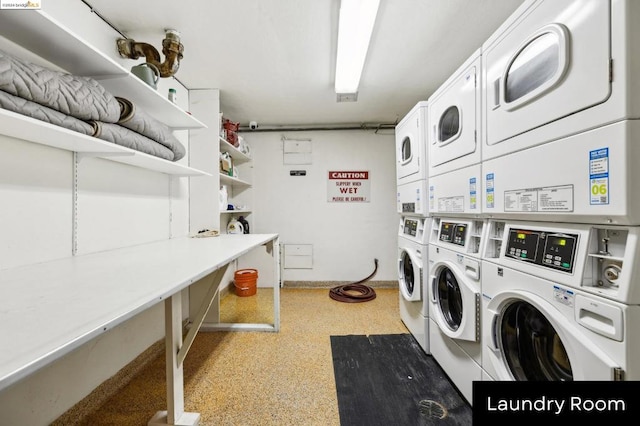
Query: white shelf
(43,133)
(43,35)
(235,211)
(228,180)
(149,100)
(49,39)
(238,156)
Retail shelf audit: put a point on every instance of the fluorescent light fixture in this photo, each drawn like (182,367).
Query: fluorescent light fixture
(354,32)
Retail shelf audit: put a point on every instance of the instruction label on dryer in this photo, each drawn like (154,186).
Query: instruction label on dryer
(599,176)
(546,199)
(451,204)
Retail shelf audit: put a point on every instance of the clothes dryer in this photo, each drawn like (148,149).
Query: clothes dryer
(454,119)
(454,148)
(557,68)
(559,302)
(412,272)
(411,145)
(454,274)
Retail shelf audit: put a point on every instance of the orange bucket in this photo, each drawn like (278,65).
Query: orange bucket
(246,282)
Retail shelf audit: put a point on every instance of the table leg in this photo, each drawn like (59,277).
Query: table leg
(175,414)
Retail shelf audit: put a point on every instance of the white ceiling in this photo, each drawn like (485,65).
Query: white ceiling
(273,60)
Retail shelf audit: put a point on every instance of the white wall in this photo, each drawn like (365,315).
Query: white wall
(346,237)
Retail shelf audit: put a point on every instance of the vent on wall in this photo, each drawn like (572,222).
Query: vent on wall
(347,97)
(298,256)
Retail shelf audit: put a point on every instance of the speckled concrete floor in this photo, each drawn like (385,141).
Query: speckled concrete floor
(260,378)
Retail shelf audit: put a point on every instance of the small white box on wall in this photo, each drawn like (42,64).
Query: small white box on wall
(296,151)
(298,256)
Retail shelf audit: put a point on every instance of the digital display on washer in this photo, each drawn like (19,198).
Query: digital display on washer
(455,233)
(410,227)
(549,249)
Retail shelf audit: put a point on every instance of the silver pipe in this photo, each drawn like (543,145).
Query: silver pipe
(314,128)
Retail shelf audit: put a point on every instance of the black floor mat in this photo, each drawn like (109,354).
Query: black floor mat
(389,380)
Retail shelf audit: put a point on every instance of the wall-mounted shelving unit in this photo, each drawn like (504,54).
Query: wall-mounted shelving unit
(238,187)
(43,35)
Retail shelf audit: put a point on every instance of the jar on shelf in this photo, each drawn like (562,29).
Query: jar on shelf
(173,97)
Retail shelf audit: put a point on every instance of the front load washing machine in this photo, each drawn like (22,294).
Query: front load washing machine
(559,67)
(454,294)
(411,145)
(560,302)
(412,264)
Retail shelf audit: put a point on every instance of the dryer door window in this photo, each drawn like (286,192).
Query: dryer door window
(405,150)
(449,125)
(531,346)
(449,298)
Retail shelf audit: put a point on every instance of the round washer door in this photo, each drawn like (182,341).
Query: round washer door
(410,275)
(448,297)
(531,340)
(531,346)
(457,303)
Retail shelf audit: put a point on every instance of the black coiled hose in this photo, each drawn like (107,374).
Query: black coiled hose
(355,292)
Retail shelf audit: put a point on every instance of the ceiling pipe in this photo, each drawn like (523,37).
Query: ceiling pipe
(171,48)
(313,128)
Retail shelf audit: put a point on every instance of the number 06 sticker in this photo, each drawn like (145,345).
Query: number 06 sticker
(599,176)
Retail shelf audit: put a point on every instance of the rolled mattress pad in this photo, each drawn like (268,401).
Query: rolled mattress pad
(80,97)
(139,121)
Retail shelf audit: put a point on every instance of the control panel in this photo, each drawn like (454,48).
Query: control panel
(410,227)
(455,233)
(549,249)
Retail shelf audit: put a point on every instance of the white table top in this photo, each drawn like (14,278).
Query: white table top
(51,308)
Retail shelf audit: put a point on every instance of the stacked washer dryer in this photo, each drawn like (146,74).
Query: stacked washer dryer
(457,229)
(561,125)
(411,168)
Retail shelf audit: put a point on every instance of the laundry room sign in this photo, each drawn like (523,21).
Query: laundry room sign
(348,187)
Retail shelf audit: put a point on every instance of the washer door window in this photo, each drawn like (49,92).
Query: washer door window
(410,276)
(531,346)
(456,301)
(449,298)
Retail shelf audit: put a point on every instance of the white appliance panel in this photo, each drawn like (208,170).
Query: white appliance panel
(601,260)
(454,119)
(412,198)
(461,368)
(588,177)
(416,322)
(457,192)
